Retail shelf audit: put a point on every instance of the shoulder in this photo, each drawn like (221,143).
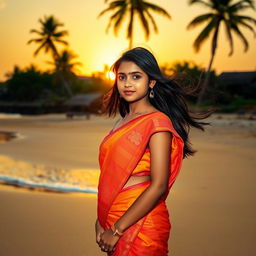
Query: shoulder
(160,121)
(159,118)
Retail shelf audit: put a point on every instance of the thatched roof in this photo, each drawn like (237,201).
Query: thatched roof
(238,77)
(82,99)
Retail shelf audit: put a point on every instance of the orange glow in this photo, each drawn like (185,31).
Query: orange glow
(88,39)
(110,75)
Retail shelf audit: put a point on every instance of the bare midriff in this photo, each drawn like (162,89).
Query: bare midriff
(136,180)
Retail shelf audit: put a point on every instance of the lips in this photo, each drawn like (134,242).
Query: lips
(128,92)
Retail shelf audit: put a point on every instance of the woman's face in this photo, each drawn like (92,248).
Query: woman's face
(132,82)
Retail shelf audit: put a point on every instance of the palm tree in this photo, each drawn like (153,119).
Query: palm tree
(65,64)
(123,8)
(49,35)
(65,67)
(226,12)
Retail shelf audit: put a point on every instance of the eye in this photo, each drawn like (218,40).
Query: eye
(121,77)
(136,77)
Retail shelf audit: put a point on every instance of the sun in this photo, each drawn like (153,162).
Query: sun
(110,75)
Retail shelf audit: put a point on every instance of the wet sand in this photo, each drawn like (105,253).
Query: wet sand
(211,205)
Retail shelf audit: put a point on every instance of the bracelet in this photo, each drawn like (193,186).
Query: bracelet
(116,231)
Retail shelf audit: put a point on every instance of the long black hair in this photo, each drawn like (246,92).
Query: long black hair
(169,96)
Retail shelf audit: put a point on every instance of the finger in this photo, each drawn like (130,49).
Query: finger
(108,248)
(98,238)
(103,248)
(112,251)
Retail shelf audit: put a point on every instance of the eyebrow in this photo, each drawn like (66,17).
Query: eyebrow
(132,73)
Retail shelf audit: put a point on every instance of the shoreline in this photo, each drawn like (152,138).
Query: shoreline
(211,200)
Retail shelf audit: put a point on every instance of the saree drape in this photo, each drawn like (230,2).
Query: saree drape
(119,154)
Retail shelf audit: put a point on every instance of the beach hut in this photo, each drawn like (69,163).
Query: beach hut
(242,84)
(238,78)
(81,105)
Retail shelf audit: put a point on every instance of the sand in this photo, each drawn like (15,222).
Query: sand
(211,205)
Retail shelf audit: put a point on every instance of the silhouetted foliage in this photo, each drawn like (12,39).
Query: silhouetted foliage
(133,8)
(189,75)
(28,85)
(227,13)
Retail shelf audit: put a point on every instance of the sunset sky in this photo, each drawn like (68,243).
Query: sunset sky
(87,37)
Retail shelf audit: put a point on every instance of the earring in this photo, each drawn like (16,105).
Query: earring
(151,94)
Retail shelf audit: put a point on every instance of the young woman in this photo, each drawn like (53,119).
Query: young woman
(141,157)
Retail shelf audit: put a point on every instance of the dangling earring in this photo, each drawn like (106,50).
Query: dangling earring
(151,94)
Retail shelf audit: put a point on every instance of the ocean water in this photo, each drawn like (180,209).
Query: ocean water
(39,176)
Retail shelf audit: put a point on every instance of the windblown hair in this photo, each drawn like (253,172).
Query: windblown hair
(169,96)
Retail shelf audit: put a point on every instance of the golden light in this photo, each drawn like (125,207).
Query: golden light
(110,75)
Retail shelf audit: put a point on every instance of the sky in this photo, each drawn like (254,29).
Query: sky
(88,38)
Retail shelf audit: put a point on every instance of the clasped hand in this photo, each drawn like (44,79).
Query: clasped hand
(105,239)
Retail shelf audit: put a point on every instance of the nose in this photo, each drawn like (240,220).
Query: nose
(127,83)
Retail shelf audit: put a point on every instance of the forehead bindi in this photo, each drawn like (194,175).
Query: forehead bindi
(129,67)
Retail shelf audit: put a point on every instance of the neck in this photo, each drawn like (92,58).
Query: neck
(139,107)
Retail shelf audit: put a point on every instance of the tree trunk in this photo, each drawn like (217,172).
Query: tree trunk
(62,78)
(205,82)
(130,37)
(65,84)
(208,72)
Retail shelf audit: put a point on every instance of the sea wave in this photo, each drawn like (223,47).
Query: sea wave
(39,176)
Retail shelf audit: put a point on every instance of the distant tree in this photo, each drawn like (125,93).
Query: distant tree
(123,8)
(28,85)
(65,68)
(49,35)
(187,73)
(64,63)
(226,12)
(187,67)
(16,70)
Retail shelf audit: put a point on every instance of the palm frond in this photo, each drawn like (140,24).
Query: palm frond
(136,8)
(200,2)
(104,11)
(200,19)
(250,3)
(247,18)
(156,9)
(35,31)
(130,26)
(241,6)
(39,48)
(205,33)
(60,33)
(152,21)
(119,20)
(61,41)
(112,6)
(241,22)
(31,40)
(241,36)
(229,36)
(144,23)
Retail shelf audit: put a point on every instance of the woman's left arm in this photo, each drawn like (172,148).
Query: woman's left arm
(160,147)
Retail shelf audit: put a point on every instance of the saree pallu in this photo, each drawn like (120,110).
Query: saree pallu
(120,152)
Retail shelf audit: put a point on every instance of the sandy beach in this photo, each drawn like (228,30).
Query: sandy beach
(211,205)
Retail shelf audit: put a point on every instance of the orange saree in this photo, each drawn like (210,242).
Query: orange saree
(122,153)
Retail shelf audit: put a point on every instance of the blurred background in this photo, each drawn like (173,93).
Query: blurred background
(55,67)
